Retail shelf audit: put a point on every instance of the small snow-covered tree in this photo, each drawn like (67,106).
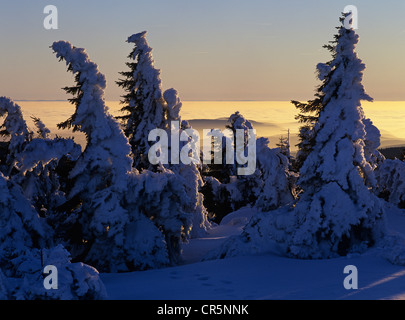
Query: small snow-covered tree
(337,213)
(278,182)
(31,160)
(42,131)
(372,143)
(284,146)
(188,174)
(14,127)
(143,101)
(391,181)
(236,189)
(161,198)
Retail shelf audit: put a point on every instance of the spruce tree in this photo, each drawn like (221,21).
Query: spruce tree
(144,107)
(277,186)
(310,110)
(26,247)
(124,220)
(42,131)
(339,210)
(100,174)
(337,213)
(14,127)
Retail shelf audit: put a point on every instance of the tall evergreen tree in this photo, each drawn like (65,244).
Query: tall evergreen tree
(100,174)
(143,101)
(336,213)
(310,110)
(124,220)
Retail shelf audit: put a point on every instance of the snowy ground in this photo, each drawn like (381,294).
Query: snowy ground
(267,276)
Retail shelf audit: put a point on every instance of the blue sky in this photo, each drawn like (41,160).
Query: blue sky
(207,50)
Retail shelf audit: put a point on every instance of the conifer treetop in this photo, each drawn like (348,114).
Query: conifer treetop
(14,124)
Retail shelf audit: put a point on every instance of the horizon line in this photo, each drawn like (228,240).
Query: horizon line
(197,100)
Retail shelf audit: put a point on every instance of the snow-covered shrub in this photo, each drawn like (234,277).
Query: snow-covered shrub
(23,234)
(75,281)
(278,182)
(161,198)
(391,181)
(371,144)
(42,151)
(188,175)
(216,198)
(38,176)
(20,225)
(393,249)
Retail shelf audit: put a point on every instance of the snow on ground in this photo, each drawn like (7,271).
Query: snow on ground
(268,276)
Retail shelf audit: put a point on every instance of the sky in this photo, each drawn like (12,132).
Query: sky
(207,50)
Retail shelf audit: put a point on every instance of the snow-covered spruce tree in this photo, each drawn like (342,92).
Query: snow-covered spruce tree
(100,174)
(37,174)
(40,185)
(14,127)
(310,111)
(242,190)
(157,234)
(224,190)
(235,122)
(143,101)
(277,180)
(188,174)
(284,146)
(112,230)
(146,109)
(337,213)
(42,131)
